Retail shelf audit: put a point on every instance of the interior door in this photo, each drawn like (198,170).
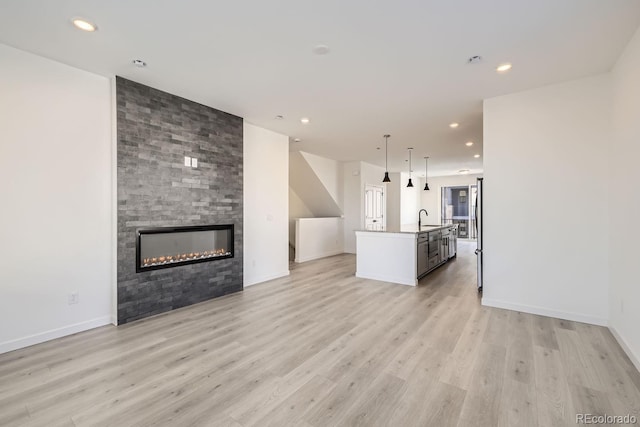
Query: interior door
(374,207)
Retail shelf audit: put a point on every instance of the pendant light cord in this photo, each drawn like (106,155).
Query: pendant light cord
(386,153)
(386,158)
(410,184)
(426,173)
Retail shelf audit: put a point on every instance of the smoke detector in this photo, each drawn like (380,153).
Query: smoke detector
(139,63)
(321,49)
(476,59)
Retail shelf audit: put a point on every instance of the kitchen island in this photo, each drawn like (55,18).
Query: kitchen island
(404,255)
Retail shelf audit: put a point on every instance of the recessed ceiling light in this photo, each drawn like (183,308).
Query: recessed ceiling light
(84,25)
(321,49)
(469,143)
(454,125)
(463,171)
(305,120)
(139,63)
(503,67)
(476,155)
(279,117)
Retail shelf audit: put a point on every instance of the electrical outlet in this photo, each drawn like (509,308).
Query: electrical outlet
(74,298)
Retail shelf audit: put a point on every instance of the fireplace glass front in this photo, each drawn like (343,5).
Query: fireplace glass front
(173,246)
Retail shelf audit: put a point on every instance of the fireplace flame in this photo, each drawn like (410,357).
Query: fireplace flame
(171,259)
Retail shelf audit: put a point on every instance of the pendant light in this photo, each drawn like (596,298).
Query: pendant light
(426,184)
(410,184)
(386,159)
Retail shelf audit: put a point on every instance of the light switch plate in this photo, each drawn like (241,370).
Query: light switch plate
(73,298)
(187,161)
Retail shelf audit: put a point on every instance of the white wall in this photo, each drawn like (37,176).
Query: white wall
(410,199)
(55,181)
(329,172)
(266,205)
(297,209)
(545,200)
(625,201)
(432,200)
(394,201)
(311,185)
(370,175)
(318,238)
(352,204)
(403,203)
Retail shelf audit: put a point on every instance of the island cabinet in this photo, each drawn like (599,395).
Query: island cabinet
(402,256)
(423,254)
(386,256)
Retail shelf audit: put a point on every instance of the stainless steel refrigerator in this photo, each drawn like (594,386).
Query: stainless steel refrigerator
(479,226)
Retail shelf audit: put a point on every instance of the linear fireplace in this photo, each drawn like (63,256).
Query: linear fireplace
(173,246)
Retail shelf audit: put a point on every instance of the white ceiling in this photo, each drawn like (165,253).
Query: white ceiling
(395,67)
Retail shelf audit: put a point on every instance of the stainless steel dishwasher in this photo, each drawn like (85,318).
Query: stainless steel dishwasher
(444,244)
(423,254)
(434,249)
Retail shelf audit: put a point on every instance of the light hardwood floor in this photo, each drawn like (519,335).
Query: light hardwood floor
(324,348)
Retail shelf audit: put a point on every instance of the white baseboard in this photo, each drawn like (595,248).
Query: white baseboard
(391,279)
(266,278)
(318,256)
(576,317)
(8,346)
(635,359)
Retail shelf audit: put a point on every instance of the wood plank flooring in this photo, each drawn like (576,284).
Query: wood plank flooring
(324,348)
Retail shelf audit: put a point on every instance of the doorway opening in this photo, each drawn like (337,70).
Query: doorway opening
(459,207)
(374,207)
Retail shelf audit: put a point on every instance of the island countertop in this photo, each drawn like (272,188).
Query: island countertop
(410,229)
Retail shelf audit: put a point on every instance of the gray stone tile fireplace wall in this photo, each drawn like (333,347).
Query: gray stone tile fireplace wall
(155,131)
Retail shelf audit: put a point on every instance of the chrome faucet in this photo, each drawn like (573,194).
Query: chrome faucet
(419,221)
